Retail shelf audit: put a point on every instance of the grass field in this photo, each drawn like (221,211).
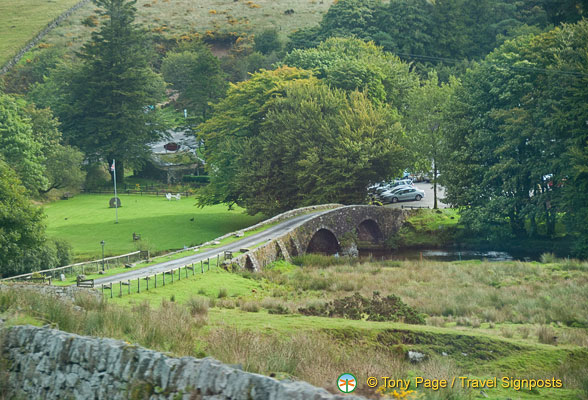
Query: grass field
(20,20)
(177,17)
(85,220)
(482,321)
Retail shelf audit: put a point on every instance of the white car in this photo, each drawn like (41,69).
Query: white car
(404,194)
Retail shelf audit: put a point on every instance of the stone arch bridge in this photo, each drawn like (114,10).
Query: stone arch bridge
(343,230)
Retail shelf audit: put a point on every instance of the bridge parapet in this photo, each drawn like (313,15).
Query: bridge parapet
(341,230)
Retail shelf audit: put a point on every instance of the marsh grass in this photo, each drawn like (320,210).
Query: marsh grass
(477,292)
(169,327)
(315,358)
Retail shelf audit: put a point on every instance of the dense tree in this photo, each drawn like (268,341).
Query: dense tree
(31,143)
(21,224)
(267,42)
(236,120)
(107,103)
(305,143)
(440,31)
(197,76)
(353,64)
(18,146)
(424,119)
(517,144)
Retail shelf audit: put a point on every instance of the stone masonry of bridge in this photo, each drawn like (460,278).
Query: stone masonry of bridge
(340,231)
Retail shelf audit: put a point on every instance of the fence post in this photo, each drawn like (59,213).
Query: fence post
(201,267)
(156,280)
(180,273)
(208,261)
(186,270)
(217,259)
(120,292)
(111,290)
(102,289)
(163,275)
(138,285)
(147,280)
(129,286)
(193,271)
(172,274)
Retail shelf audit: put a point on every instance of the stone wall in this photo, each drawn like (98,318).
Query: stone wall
(62,292)
(34,41)
(343,222)
(51,364)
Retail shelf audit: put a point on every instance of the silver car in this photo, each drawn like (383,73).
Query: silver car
(405,194)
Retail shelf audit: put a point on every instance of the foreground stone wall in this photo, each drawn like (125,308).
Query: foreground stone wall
(67,293)
(49,364)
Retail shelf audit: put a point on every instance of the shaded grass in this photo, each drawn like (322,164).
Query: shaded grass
(85,220)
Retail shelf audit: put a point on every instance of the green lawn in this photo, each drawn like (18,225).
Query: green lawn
(85,220)
(21,20)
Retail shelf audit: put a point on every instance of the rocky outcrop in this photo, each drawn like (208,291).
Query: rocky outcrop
(50,364)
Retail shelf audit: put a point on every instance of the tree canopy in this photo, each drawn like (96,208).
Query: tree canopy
(438,32)
(353,64)
(285,139)
(518,139)
(107,104)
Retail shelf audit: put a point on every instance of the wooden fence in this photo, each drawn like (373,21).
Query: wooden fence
(161,192)
(161,279)
(83,268)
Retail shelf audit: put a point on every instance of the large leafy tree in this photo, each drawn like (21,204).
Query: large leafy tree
(353,64)
(18,145)
(111,97)
(21,224)
(424,119)
(196,74)
(236,121)
(306,143)
(517,144)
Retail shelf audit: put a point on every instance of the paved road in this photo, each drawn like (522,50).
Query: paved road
(426,201)
(268,234)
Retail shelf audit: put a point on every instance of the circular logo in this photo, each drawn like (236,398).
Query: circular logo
(346,383)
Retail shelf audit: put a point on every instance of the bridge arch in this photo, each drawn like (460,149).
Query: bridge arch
(369,231)
(323,241)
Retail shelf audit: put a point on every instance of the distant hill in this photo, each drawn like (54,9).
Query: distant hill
(18,24)
(21,20)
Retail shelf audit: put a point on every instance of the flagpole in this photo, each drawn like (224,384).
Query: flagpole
(115,198)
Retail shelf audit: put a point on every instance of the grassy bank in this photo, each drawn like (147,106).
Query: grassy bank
(85,220)
(21,20)
(525,320)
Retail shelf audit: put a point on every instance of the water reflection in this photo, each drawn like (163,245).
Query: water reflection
(441,255)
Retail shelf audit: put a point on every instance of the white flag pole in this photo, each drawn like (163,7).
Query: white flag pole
(115,198)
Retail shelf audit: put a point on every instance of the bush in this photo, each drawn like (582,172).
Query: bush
(250,306)
(267,41)
(222,293)
(97,176)
(546,335)
(198,306)
(390,308)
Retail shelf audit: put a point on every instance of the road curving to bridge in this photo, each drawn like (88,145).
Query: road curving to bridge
(268,234)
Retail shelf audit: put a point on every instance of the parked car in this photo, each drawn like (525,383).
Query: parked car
(389,192)
(406,194)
